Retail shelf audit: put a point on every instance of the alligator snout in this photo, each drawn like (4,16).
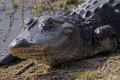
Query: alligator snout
(19,43)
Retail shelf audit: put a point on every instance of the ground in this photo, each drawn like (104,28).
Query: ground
(102,67)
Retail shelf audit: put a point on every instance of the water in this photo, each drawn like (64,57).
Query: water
(7,33)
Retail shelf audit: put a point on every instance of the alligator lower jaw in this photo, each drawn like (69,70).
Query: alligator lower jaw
(38,56)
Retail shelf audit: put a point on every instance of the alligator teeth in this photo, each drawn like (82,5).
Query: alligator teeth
(26,49)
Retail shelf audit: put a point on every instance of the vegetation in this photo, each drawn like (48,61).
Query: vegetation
(53,5)
(40,6)
(85,75)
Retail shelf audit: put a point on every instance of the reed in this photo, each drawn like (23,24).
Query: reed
(53,5)
(23,13)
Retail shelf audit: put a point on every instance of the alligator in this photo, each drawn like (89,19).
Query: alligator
(92,28)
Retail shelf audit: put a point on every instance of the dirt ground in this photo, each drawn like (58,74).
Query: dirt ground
(100,67)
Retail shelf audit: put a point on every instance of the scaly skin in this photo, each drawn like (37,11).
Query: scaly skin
(90,29)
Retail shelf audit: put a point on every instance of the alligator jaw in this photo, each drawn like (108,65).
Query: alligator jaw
(27,52)
(36,54)
(30,51)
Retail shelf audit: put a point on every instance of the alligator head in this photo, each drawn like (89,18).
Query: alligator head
(51,39)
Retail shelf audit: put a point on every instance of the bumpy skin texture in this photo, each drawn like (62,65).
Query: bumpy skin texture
(101,12)
(91,28)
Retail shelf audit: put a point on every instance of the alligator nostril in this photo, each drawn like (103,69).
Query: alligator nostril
(19,43)
(32,39)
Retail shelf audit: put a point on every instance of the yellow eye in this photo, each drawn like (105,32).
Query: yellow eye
(48,23)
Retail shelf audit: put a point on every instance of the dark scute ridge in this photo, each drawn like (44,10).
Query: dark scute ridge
(95,2)
(106,6)
(87,6)
(88,14)
(111,1)
(97,10)
(117,6)
(82,12)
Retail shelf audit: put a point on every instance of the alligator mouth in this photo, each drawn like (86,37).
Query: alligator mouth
(35,52)
(27,52)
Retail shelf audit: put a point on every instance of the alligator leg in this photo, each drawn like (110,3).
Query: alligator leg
(105,37)
(104,32)
(8,57)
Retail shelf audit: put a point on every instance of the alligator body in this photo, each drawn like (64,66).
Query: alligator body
(93,27)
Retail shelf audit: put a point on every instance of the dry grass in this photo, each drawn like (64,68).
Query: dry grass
(98,67)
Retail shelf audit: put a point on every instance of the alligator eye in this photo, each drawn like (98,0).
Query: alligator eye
(49,22)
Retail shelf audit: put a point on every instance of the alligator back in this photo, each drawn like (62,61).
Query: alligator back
(101,12)
(91,6)
(98,13)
